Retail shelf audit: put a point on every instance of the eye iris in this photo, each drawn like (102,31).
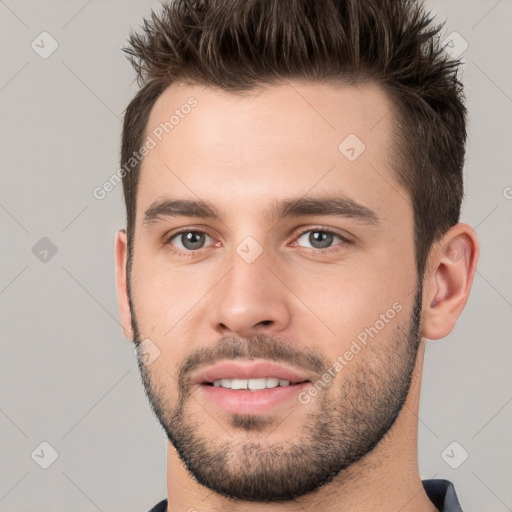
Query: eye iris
(320,239)
(192,239)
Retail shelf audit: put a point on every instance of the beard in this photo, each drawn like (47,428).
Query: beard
(343,424)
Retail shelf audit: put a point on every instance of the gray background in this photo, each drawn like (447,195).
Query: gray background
(67,375)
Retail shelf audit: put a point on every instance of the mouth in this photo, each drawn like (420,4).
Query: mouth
(251,387)
(254,375)
(255,384)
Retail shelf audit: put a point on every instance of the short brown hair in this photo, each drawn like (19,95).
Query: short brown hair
(240,45)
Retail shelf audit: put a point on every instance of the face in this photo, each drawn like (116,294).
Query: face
(270,228)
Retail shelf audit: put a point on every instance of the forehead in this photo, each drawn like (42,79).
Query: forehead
(281,139)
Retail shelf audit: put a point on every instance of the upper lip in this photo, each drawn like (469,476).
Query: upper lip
(250,370)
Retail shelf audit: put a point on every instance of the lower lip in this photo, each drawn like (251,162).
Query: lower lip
(251,402)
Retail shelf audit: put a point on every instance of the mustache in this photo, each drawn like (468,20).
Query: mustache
(262,346)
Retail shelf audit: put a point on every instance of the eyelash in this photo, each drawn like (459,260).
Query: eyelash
(192,253)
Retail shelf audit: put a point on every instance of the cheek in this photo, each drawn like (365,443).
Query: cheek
(159,299)
(171,303)
(349,299)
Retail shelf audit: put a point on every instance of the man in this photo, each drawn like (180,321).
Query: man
(293,182)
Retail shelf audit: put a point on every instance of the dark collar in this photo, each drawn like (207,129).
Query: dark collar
(442,494)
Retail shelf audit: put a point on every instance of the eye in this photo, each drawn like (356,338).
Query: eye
(189,240)
(319,238)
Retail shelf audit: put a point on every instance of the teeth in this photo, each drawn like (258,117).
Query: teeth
(251,384)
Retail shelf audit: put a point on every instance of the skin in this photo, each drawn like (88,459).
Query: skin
(240,154)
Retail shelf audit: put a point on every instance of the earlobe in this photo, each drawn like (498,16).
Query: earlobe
(447,284)
(120,250)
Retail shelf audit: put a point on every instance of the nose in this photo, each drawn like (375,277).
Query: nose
(251,299)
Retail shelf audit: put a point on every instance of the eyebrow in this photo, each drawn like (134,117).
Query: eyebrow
(333,205)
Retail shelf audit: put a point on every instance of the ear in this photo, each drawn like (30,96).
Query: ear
(448,278)
(121,247)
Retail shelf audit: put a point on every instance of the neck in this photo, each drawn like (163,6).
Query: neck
(387,479)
